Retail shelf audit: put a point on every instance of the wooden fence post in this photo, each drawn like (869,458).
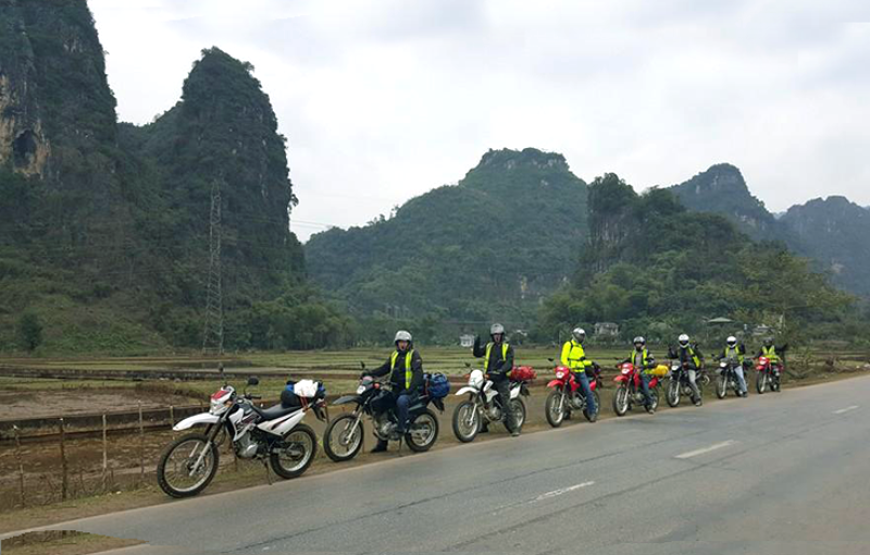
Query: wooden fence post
(105,456)
(20,467)
(141,445)
(64,484)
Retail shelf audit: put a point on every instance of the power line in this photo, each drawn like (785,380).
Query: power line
(213,328)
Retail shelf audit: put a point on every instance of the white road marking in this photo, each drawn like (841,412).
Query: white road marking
(706,450)
(845,410)
(562,491)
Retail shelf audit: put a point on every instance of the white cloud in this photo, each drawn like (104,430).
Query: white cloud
(383,100)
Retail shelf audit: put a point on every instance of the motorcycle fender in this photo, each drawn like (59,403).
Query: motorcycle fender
(524,390)
(282,426)
(554,383)
(345,400)
(515,392)
(196,420)
(467,389)
(439,404)
(620,379)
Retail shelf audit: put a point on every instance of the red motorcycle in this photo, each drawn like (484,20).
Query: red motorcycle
(768,375)
(567,395)
(629,390)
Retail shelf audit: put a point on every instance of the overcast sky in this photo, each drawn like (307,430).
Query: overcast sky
(382,100)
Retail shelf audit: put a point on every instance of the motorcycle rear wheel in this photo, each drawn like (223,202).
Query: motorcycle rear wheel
(466,421)
(424,432)
(170,471)
(337,431)
(620,401)
(555,413)
(298,448)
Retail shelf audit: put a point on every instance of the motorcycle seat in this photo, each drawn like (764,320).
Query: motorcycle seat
(273,413)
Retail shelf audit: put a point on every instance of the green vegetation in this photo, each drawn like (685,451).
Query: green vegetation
(30,331)
(490,247)
(661,270)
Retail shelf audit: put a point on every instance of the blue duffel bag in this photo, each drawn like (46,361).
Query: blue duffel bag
(438,386)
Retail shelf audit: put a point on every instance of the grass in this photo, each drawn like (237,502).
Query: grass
(63,542)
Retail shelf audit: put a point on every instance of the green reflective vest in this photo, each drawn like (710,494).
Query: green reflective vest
(408,372)
(739,356)
(633,355)
(770,353)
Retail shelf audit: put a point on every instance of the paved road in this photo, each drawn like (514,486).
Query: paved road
(779,473)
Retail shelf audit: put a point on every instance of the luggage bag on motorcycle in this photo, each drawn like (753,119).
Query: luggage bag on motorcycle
(307,389)
(661,371)
(523,374)
(437,386)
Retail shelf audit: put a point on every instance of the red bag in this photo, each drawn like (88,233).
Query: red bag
(523,374)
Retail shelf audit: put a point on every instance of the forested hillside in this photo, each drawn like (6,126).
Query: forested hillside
(663,270)
(491,247)
(105,227)
(831,232)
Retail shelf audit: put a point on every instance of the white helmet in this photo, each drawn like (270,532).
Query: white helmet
(496,328)
(731,340)
(579,334)
(402,335)
(639,340)
(684,340)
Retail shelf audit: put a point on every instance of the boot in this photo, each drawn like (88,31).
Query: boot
(380,447)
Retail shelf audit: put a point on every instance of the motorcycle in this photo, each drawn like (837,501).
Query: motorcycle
(276,435)
(567,396)
(485,406)
(629,392)
(343,438)
(728,379)
(769,375)
(679,384)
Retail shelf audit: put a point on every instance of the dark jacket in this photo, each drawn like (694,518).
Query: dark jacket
(497,366)
(397,377)
(684,355)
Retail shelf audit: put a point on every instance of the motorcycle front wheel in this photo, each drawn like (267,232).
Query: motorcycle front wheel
(761,382)
(722,387)
(424,432)
(291,457)
(620,401)
(673,396)
(519,410)
(554,408)
(466,421)
(177,471)
(340,441)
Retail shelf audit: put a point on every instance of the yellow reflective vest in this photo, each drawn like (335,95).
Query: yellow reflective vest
(504,350)
(573,356)
(409,374)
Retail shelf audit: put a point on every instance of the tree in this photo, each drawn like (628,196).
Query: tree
(30,331)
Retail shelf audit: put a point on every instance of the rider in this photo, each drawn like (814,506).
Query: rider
(498,361)
(405,367)
(642,360)
(574,358)
(690,359)
(737,353)
(776,355)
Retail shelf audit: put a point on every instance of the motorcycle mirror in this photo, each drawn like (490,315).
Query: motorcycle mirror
(551,359)
(253,380)
(468,365)
(362,365)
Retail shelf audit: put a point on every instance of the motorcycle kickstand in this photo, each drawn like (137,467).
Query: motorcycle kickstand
(268,474)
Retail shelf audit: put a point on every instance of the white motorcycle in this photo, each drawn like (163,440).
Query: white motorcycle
(276,435)
(484,406)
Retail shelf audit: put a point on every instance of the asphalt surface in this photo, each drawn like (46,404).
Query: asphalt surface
(778,473)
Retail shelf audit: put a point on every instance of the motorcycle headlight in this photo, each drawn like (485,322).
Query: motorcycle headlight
(360,390)
(560,375)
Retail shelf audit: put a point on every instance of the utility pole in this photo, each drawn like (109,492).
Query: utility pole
(213,328)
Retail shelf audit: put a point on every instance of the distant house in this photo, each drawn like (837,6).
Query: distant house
(466,340)
(606,330)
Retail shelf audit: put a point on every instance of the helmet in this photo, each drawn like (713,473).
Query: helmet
(768,341)
(579,334)
(684,340)
(496,328)
(731,340)
(639,340)
(402,335)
